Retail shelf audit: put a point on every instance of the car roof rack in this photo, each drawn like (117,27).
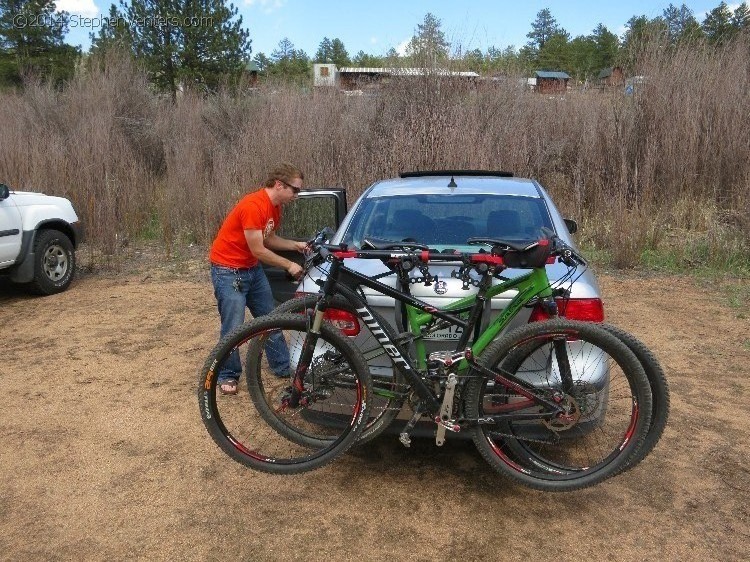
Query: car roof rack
(427,173)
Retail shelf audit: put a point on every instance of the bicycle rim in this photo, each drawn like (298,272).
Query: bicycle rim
(257,426)
(607,409)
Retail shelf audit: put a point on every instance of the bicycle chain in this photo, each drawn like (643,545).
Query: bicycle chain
(494,433)
(529,440)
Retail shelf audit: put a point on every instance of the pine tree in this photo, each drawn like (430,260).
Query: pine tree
(113,35)
(332,51)
(339,56)
(680,24)
(474,60)
(362,59)
(195,43)
(156,39)
(262,61)
(641,32)
(718,24)
(607,46)
(289,62)
(543,28)
(324,54)
(32,42)
(391,59)
(584,57)
(555,54)
(429,46)
(741,17)
(215,46)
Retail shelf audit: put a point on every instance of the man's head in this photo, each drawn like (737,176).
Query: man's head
(284,183)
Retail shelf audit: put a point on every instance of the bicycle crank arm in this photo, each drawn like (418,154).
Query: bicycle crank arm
(443,419)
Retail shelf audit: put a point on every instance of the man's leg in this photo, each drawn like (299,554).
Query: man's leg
(231,302)
(260,302)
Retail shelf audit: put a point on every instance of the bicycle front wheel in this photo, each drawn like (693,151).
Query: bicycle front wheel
(388,384)
(258,427)
(596,380)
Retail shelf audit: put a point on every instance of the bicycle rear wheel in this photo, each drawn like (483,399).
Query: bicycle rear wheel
(659,392)
(388,384)
(258,427)
(605,395)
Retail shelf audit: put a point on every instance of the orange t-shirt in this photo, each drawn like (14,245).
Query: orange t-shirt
(254,212)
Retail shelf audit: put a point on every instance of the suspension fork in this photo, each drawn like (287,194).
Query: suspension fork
(563,364)
(561,351)
(312,335)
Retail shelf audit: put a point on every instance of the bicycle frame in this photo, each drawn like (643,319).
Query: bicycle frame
(346,281)
(530,285)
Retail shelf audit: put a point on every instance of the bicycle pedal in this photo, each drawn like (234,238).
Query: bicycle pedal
(405,439)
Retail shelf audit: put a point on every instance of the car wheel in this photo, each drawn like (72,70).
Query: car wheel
(54,262)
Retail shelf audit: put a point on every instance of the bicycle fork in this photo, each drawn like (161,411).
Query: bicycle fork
(306,355)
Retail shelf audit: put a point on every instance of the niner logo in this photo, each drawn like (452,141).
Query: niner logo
(382,337)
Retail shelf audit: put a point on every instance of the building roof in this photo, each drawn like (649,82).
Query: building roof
(556,75)
(251,66)
(604,73)
(404,71)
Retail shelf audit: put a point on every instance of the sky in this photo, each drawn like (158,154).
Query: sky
(374,26)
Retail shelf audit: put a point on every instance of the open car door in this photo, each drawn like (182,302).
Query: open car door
(312,211)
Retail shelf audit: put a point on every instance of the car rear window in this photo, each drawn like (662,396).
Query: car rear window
(437,220)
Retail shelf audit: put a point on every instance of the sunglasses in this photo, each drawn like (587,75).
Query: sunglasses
(292,187)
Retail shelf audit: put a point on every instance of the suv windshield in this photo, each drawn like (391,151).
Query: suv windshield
(448,221)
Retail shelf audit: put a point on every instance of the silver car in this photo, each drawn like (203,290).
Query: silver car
(443,210)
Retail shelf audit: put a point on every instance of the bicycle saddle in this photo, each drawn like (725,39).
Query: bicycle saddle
(371,243)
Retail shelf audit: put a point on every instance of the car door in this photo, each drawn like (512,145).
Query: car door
(312,211)
(10,229)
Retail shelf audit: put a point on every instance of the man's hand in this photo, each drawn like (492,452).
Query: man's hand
(295,270)
(300,246)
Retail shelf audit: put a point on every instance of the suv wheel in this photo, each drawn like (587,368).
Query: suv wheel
(54,262)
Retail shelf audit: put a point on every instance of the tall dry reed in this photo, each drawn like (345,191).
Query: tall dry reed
(666,167)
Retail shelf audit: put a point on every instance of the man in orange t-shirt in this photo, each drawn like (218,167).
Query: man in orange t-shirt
(247,237)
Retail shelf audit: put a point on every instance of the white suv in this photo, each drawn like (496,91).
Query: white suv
(38,238)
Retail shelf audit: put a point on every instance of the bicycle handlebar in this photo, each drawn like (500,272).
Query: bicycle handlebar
(320,251)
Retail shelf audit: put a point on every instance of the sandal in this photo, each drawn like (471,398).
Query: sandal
(228,386)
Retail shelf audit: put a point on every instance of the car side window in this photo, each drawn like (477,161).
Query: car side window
(302,218)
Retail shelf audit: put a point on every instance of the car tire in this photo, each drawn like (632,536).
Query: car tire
(54,262)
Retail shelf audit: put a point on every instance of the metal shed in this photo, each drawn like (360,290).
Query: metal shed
(551,82)
(611,76)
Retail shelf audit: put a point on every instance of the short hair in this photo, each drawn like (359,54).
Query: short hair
(284,172)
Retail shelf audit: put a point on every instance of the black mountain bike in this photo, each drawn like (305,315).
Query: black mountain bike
(555,405)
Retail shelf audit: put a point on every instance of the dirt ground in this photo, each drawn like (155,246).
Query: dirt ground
(104,456)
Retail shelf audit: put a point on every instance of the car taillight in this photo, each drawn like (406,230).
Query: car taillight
(587,310)
(346,322)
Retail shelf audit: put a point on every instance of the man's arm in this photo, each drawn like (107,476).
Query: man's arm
(254,240)
(278,243)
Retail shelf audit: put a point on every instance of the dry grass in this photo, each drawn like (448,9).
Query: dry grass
(667,169)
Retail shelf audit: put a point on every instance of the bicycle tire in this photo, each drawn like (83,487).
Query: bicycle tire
(562,455)
(383,407)
(659,392)
(325,425)
(657,382)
